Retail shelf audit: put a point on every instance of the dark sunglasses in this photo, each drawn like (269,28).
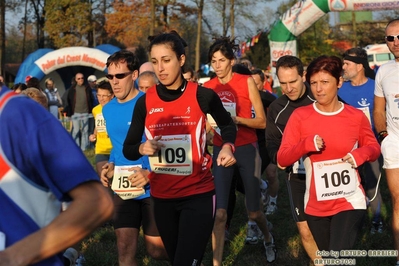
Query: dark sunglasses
(118,76)
(391,38)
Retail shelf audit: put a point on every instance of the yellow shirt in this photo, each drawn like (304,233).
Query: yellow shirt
(103,144)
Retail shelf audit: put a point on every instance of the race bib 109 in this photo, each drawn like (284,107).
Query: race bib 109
(175,158)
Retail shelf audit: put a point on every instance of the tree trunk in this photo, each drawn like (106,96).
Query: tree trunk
(232,18)
(152,25)
(199,30)
(2,36)
(24,37)
(224,18)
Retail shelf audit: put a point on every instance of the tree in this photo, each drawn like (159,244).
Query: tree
(315,41)
(200,6)
(39,14)
(2,35)
(259,55)
(129,23)
(67,22)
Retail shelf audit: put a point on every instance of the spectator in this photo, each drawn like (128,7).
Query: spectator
(79,104)
(53,97)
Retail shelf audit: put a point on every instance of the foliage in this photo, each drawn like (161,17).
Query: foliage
(67,22)
(315,41)
(129,23)
(259,55)
(14,47)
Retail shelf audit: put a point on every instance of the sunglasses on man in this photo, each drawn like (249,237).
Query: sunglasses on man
(118,76)
(391,38)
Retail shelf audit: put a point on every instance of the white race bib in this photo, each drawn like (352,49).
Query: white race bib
(366,111)
(175,158)
(230,107)
(100,123)
(122,186)
(334,179)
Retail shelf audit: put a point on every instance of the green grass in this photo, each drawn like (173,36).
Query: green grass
(100,249)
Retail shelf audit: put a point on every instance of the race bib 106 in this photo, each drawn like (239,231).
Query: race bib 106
(122,186)
(334,179)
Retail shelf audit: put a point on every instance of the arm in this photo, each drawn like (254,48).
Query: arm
(292,146)
(379,114)
(227,126)
(59,99)
(66,229)
(259,122)
(369,149)
(131,146)
(273,137)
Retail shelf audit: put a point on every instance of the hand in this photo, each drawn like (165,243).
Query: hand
(139,177)
(347,158)
(281,167)
(107,173)
(92,138)
(320,143)
(235,120)
(151,146)
(226,157)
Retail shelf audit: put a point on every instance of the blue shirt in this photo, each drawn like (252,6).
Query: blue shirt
(118,117)
(361,97)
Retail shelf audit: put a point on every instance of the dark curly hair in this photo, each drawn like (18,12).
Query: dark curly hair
(225,45)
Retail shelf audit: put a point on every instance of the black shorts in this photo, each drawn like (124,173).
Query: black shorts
(296,185)
(135,213)
(185,226)
(336,232)
(248,164)
(102,158)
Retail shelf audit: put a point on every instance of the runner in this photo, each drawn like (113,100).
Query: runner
(173,116)
(335,201)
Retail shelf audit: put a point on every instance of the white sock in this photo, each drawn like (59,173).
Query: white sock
(263,184)
(251,222)
(273,199)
